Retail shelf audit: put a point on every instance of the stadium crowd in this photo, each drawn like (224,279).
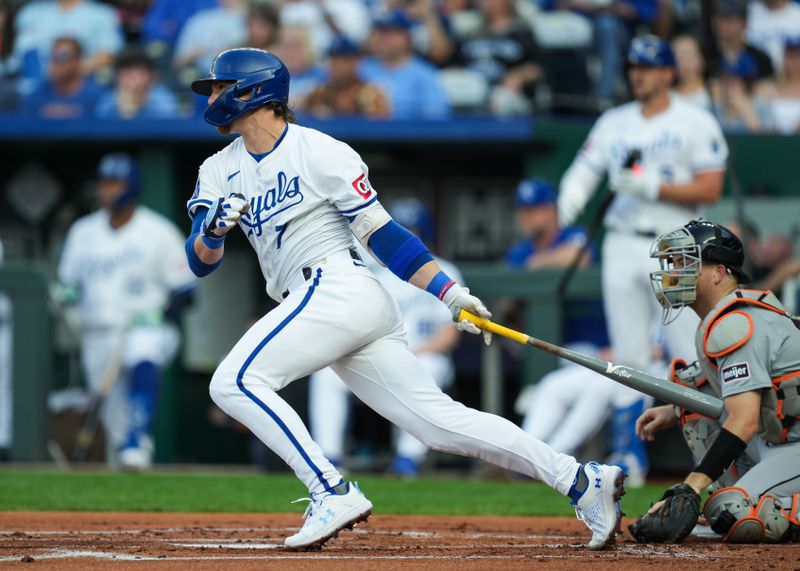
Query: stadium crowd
(68,59)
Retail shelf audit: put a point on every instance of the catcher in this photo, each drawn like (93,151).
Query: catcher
(749,354)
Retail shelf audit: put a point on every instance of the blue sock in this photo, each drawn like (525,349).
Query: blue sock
(579,485)
(143,395)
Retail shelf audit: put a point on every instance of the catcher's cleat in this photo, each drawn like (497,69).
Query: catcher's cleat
(599,506)
(327,514)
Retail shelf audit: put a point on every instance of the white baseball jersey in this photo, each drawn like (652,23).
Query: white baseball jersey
(677,144)
(300,196)
(123,272)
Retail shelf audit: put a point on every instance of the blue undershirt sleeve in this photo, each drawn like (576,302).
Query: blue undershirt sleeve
(401,251)
(198,267)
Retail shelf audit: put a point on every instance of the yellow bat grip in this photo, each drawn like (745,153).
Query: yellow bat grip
(487,325)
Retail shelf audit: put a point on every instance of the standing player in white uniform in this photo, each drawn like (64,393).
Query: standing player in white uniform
(300,196)
(682,167)
(6,390)
(431,336)
(126,267)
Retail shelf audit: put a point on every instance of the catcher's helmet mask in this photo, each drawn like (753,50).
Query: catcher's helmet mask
(681,253)
(258,77)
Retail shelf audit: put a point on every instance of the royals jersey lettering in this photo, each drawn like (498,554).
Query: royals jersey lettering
(301,196)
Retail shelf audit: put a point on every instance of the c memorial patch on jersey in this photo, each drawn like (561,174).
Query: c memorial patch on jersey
(272,202)
(362,186)
(737,372)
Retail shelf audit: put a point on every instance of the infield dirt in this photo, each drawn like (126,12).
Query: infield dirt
(92,540)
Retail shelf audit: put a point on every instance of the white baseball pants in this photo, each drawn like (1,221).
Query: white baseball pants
(329,407)
(343,317)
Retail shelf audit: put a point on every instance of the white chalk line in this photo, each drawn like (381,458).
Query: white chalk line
(357,531)
(68,554)
(221,545)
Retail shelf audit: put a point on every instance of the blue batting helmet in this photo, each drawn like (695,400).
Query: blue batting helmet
(535,192)
(650,51)
(257,73)
(412,214)
(121,166)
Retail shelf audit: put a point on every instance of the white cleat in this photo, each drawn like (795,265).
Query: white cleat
(137,458)
(327,515)
(599,506)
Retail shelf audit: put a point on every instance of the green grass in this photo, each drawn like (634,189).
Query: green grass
(216,492)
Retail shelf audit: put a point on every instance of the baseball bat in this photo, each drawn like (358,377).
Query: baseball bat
(662,389)
(110,375)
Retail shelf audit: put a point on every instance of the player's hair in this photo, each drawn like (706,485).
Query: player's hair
(282,110)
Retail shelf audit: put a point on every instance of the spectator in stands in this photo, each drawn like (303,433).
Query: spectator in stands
(5,31)
(8,94)
(67,93)
(771,259)
(164,20)
(294,48)
(430,30)
(327,19)
(690,65)
(209,32)
(137,94)
(613,22)
(735,106)
(410,83)
(729,23)
(770,23)
(345,93)
(38,24)
(504,51)
(783,97)
(262,27)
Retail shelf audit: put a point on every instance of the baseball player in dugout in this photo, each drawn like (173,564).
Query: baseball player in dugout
(302,199)
(124,268)
(664,159)
(748,353)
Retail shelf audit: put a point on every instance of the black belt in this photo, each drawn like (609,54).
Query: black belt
(307,271)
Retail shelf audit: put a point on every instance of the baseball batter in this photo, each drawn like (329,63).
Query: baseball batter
(6,389)
(126,267)
(431,335)
(748,348)
(301,197)
(683,154)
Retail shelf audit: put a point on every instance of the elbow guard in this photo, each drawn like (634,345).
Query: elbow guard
(365,224)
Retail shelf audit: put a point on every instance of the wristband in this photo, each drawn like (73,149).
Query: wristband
(211,242)
(440,284)
(727,447)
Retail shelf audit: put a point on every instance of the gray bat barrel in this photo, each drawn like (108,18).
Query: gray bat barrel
(660,389)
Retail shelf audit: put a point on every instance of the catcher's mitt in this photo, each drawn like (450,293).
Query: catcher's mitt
(672,521)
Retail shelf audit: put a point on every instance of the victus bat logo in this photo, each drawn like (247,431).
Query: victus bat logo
(618,371)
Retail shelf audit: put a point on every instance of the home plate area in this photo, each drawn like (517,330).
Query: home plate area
(81,540)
